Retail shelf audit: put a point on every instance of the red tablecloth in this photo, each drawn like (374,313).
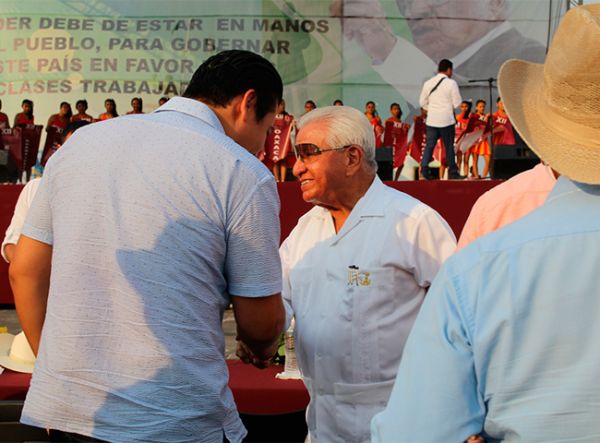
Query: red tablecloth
(256,391)
(13,385)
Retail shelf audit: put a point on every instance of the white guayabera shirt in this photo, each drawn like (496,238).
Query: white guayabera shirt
(355,295)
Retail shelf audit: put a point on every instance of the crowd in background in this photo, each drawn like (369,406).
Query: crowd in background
(65,114)
(407,138)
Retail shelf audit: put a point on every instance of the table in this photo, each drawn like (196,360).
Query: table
(272,410)
(256,391)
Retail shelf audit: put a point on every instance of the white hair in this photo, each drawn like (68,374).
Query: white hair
(346,126)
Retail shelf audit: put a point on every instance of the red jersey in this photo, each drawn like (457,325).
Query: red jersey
(85,117)
(461,126)
(396,135)
(4,123)
(278,142)
(377,130)
(21,119)
(506,136)
(417,145)
(58,122)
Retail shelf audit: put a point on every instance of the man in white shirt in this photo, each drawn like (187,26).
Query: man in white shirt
(356,269)
(439,97)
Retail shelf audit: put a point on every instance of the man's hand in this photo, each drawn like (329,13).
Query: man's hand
(259,322)
(246,355)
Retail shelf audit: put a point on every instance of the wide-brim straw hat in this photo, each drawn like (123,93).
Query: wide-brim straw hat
(555,106)
(15,353)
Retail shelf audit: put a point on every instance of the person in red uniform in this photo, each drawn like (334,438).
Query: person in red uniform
(502,131)
(4,123)
(81,106)
(483,147)
(418,141)
(373,117)
(278,145)
(111,109)
(62,119)
(136,106)
(25,117)
(462,120)
(396,135)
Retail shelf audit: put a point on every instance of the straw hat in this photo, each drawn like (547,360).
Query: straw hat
(15,353)
(555,106)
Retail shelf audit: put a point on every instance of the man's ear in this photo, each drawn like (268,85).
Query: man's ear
(247,106)
(354,159)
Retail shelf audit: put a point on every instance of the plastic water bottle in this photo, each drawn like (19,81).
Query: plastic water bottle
(291,364)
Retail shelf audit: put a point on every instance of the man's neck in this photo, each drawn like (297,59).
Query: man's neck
(347,200)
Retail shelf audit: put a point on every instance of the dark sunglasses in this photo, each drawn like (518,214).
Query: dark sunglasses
(305,150)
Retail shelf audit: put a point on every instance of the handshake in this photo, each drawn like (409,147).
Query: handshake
(260,359)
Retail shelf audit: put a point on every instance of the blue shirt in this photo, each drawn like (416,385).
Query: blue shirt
(154,220)
(506,343)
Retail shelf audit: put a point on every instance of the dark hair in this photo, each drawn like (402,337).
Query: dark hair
(469,104)
(371,102)
(311,102)
(498,99)
(114,111)
(72,127)
(336,101)
(70,113)
(444,65)
(30,103)
(163,99)
(231,73)
(480,101)
(399,107)
(83,101)
(139,99)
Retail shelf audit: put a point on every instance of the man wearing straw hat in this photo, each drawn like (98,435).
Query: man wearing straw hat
(505,345)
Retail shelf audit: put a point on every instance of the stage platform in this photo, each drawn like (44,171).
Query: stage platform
(453,199)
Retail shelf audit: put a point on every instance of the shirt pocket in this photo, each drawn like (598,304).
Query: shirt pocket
(302,286)
(355,405)
(370,295)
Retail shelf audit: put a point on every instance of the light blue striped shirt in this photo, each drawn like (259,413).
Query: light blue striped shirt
(154,220)
(506,343)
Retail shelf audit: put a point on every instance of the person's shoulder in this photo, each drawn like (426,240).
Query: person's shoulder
(532,180)
(309,221)
(401,204)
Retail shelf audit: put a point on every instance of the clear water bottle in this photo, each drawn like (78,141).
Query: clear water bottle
(291,364)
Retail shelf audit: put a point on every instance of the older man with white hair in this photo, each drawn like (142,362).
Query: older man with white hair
(356,269)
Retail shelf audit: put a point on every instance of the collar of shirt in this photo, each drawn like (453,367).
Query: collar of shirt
(566,186)
(194,108)
(469,51)
(369,205)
